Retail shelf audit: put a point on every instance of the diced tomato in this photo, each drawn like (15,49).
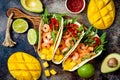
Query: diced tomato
(75,26)
(53,23)
(51,26)
(72,31)
(97,41)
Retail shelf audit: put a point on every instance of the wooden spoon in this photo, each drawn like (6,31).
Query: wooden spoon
(19,14)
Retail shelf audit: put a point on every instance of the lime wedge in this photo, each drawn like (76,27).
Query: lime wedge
(32,36)
(20,25)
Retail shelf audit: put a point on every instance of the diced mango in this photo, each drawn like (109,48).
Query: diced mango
(68,60)
(58,51)
(45,64)
(56,57)
(49,57)
(61,57)
(69,66)
(47,73)
(51,49)
(72,64)
(53,72)
(42,56)
(44,51)
(66,67)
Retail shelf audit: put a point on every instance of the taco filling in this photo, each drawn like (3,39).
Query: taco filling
(72,33)
(49,32)
(90,46)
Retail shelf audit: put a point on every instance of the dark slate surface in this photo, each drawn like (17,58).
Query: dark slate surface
(57,6)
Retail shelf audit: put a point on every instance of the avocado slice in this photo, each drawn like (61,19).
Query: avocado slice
(111,63)
(32,5)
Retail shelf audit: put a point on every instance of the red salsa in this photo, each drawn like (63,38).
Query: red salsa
(75,5)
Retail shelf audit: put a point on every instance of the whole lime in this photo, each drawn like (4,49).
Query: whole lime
(86,71)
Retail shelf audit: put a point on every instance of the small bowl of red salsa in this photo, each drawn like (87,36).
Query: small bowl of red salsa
(75,6)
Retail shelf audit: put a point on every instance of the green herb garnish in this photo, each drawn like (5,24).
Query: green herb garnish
(81,28)
(89,30)
(66,22)
(102,38)
(45,16)
(53,35)
(87,56)
(74,40)
(79,35)
(101,46)
(74,19)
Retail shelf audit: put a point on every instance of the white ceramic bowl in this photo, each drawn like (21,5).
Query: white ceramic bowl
(77,11)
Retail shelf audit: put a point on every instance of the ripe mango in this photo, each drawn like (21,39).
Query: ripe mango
(23,66)
(101,13)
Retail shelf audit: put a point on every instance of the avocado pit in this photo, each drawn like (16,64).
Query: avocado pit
(112,62)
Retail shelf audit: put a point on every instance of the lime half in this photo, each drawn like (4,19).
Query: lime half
(32,36)
(20,25)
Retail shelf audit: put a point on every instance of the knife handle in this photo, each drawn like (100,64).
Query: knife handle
(19,14)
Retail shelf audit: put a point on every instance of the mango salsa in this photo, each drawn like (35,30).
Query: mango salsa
(46,54)
(45,51)
(59,57)
(69,64)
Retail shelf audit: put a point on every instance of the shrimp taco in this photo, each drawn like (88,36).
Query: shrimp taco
(49,32)
(90,47)
(72,34)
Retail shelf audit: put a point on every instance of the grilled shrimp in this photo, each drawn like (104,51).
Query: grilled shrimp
(64,50)
(45,45)
(62,45)
(68,41)
(75,56)
(46,28)
(67,35)
(47,38)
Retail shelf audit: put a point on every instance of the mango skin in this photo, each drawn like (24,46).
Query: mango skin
(101,13)
(23,66)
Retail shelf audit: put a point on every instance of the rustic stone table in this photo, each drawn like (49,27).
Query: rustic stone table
(57,6)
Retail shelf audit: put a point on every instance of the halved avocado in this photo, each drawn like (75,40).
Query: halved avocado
(111,63)
(32,5)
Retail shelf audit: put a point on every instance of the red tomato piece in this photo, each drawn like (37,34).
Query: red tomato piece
(54,22)
(97,41)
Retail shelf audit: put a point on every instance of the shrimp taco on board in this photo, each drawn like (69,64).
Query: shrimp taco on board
(90,47)
(49,32)
(72,34)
